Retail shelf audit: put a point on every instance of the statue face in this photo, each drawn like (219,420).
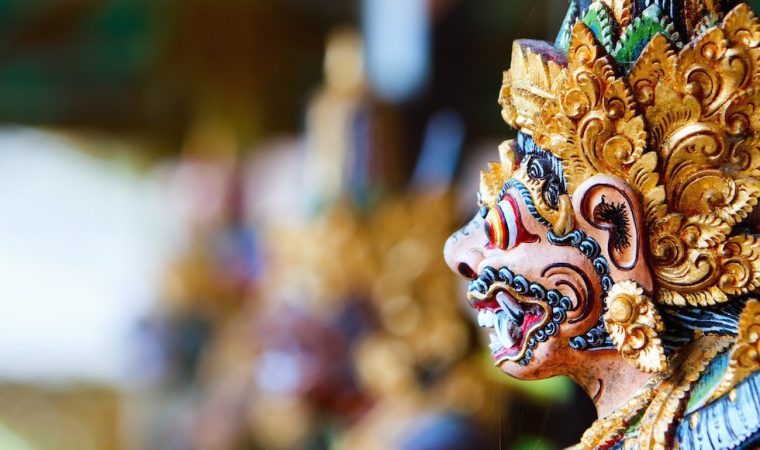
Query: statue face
(539,294)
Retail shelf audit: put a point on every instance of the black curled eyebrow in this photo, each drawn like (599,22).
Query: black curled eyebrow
(525,193)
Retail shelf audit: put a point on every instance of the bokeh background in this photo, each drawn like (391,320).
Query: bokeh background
(221,225)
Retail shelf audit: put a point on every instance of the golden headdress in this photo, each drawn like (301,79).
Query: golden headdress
(620,94)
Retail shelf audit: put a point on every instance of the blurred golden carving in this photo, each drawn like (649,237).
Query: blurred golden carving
(634,325)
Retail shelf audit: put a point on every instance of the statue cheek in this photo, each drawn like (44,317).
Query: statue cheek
(575,279)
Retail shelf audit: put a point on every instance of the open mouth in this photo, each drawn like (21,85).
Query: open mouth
(514,318)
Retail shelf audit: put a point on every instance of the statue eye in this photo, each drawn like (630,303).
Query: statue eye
(502,224)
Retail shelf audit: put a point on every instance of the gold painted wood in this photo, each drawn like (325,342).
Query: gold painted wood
(745,356)
(661,400)
(635,326)
(694,153)
(666,407)
(621,10)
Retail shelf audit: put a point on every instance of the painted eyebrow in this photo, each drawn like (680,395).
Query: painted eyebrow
(525,193)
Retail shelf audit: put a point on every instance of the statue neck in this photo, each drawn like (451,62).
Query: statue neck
(609,380)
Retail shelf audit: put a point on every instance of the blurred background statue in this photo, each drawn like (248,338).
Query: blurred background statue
(349,341)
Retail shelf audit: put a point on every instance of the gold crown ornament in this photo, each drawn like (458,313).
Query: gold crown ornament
(620,94)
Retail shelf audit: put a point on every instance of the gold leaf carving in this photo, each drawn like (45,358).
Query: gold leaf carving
(740,265)
(702,119)
(745,158)
(634,325)
(741,114)
(643,175)
(598,129)
(657,61)
(713,70)
(745,356)
(683,128)
(742,26)
(493,179)
(530,87)
(705,277)
(621,11)
(661,414)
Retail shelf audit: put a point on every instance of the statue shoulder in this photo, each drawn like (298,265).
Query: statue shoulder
(723,410)
(732,420)
(707,402)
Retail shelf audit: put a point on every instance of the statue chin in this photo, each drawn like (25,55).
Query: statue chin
(540,368)
(616,240)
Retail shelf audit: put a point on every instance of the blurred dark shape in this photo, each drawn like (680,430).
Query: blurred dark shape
(441,150)
(303,356)
(446,432)
(171,347)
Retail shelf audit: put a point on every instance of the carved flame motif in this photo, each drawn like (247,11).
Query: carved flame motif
(621,9)
(745,356)
(634,325)
(492,180)
(530,86)
(683,128)
(598,129)
(703,122)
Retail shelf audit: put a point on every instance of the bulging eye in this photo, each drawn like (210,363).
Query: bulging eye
(503,227)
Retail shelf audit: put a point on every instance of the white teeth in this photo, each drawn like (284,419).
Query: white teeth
(486,318)
(507,330)
(515,331)
(506,322)
(495,344)
(503,331)
(489,319)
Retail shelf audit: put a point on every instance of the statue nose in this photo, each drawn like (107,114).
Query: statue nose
(464,249)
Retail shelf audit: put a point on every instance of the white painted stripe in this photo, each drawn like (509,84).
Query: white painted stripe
(509,215)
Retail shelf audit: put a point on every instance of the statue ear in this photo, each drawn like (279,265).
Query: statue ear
(610,211)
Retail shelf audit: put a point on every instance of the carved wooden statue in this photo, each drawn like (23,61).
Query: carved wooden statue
(615,242)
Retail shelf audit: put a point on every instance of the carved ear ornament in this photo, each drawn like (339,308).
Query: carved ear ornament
(635,327)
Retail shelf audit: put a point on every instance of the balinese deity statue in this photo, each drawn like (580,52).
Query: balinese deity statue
(616,238)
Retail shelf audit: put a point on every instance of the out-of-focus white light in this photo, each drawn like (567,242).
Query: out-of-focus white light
(82,244)
(397,35)
(279,372)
